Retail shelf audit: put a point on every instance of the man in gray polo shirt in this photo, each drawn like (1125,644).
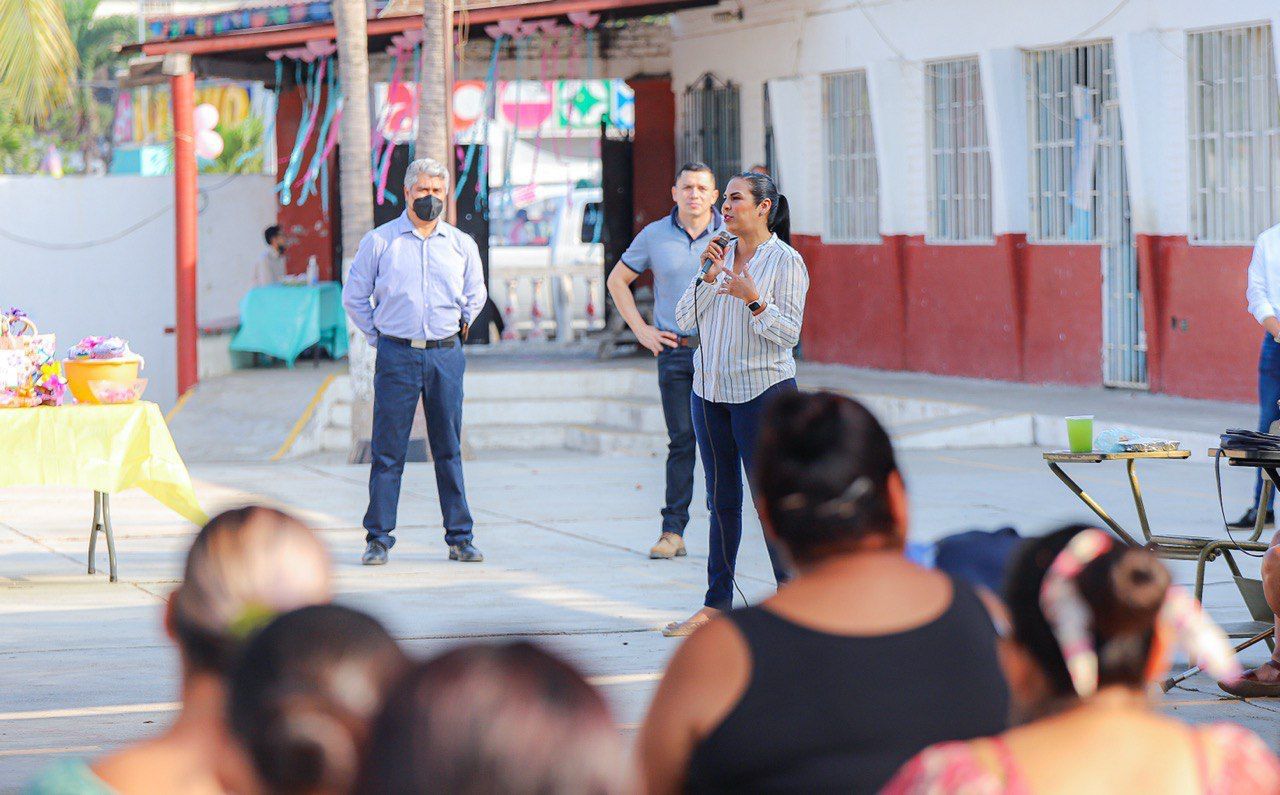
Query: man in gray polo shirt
(670,248)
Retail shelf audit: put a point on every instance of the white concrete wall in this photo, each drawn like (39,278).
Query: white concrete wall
(803,39)
(126,287)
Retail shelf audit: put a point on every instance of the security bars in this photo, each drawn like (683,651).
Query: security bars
(711,127)
(1233,117)
(959,157)
(853,180)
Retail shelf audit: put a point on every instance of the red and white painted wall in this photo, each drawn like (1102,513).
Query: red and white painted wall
(1005,309)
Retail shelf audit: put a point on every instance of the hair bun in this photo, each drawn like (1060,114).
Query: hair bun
(310,749)
(1139,581)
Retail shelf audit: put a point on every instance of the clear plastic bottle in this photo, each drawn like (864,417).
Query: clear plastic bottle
(313,270)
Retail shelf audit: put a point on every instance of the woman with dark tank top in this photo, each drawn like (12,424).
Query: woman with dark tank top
(852,668)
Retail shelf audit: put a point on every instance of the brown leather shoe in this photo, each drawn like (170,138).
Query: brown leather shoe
(669,546)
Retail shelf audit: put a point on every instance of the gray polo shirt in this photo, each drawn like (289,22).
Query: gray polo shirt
(672,254)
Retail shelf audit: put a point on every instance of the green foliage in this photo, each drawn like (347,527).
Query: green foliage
(241,150)
(95,41)
(19,153)
(37,59)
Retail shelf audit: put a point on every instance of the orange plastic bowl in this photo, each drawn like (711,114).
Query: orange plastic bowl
(81,372)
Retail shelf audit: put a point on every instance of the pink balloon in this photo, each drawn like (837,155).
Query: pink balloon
(206,117)
(208,144)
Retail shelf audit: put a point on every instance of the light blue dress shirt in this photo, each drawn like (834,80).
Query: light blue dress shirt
(403,285)
(666,248)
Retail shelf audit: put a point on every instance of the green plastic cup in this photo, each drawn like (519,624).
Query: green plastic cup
(1080,433)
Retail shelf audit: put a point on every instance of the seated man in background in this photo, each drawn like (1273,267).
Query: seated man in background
(269,267)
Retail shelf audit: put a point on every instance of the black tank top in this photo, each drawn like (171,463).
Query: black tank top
(840,713)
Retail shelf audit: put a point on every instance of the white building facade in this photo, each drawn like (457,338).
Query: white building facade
(1016,189)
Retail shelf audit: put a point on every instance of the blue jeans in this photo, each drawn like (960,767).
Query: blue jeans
(727,434)
(1268,395)
(675,383)
(403,375)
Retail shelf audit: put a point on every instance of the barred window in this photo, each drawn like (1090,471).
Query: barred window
(1070,93)
(711,127)
(1233,116)
(959,157)
(853,181)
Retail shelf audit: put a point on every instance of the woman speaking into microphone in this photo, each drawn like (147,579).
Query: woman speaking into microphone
(746,307)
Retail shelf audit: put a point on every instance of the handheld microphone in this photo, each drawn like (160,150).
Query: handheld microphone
(722,238)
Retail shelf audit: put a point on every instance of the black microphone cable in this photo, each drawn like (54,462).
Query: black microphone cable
(706,429)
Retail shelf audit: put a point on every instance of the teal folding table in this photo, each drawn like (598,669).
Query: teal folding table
(283,320)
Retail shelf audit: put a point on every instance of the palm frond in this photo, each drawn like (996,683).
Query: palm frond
(37,58)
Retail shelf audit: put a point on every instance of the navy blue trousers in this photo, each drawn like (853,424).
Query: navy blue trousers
(403,375)
(675,382)
(1268,395)
(727,435)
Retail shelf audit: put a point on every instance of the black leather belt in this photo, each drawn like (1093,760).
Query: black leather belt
(687,342)
(447,342)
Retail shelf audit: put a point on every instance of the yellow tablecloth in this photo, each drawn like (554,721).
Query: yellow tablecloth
(103,448)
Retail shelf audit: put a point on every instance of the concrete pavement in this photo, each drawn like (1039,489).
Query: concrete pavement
(85,666)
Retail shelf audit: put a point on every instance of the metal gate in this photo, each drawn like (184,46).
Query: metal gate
(1080,192)
(616,151)
(711,126)
(1124,337)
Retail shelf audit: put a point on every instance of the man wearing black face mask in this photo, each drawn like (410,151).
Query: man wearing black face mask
(414,287)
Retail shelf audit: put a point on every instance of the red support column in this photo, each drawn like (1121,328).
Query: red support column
(182,87)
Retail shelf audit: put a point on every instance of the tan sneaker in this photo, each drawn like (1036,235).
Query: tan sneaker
(669,546)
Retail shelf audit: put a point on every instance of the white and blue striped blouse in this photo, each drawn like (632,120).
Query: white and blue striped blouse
(742,355)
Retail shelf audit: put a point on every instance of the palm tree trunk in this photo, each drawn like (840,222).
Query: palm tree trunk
(354,155)
(356,186)
(435,102)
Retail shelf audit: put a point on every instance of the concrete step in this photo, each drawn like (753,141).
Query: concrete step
(478,438)
(973,429)
(544,382)
(635,414)
(625,414)
(604,440)
(527,412)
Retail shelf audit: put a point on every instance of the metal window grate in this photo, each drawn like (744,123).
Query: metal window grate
(711,127)
(1067,89)
(853,181)
(959,157)
(1233,115)
(1079,189)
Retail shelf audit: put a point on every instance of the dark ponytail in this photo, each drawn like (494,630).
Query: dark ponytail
(763,187)
(780,223)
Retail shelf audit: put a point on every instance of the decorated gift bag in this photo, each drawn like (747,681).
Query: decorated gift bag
(27,361)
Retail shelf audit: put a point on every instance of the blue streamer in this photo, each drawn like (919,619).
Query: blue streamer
(521,47)
(269,130)
(324,187)
(490,80)
(309,109)
(417,82)
(332,101)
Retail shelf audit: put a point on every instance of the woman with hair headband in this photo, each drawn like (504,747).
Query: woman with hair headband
(746,308)
(244,567)
(1093,624)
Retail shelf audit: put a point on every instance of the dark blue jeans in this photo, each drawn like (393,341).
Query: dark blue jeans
(1268,394)
(727,434)
(675,382)
(403,375)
